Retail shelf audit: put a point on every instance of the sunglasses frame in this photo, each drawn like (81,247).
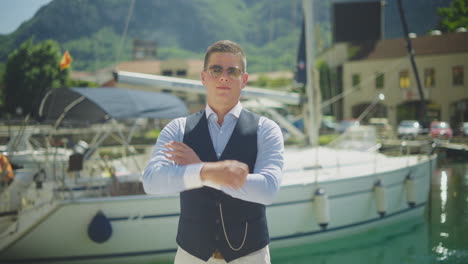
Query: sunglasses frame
(232,72)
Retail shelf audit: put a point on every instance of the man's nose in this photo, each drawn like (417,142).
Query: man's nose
(224,76)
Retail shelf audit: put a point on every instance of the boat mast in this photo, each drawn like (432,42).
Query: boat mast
(422,103)
(312,92)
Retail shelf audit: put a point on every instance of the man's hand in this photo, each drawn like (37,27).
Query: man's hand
(181,153)
(229,173)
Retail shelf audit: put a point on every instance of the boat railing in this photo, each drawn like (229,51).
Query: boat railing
(364,139)
(361,138)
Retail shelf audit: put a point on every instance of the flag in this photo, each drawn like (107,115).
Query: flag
(66,61)
(301,67)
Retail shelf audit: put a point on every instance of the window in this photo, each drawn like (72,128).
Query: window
(379,80)
(181,73)
(356,80)
(429,77)
(404,79)
(457,75)
(167,72)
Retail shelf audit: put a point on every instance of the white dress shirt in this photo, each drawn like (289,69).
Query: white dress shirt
(163,176)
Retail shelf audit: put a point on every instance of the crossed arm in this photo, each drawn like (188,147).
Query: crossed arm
(173,163)
(229,173)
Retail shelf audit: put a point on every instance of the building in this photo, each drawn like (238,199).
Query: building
(143,49)
(370,68)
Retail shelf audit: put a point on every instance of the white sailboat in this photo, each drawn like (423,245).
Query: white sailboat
(56,227)
(113,221)
(326,193)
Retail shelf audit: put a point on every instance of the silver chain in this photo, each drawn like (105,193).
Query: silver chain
(225,234)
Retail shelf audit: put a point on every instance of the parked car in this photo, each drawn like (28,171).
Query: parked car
(409,129)
(440,129)
(464,129)
(347,123)
(384,129)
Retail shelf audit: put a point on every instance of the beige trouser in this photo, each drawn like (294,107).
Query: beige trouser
(261,256)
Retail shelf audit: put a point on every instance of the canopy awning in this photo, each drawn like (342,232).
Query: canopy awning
(94,105)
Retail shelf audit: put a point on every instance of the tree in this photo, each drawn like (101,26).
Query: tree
(31,71)
(454,16)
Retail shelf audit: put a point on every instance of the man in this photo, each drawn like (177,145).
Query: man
(226,162)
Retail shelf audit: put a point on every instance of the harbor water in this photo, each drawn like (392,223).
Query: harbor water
(440,236)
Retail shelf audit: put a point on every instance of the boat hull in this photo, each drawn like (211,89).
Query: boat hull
(143,227)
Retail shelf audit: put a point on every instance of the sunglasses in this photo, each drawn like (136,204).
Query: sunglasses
(216,71)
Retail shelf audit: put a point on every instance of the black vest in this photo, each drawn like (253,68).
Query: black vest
(200,229)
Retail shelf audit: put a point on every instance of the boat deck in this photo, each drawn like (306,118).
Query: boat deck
(325,164)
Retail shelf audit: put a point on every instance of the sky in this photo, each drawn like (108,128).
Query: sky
(15,12)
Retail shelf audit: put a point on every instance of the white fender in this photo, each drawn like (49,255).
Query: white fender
(379,192)
(410,186)
(321,208)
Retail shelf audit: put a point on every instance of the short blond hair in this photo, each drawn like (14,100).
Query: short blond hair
(226,46)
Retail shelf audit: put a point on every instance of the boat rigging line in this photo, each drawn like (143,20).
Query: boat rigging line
(422,104)
(124,35)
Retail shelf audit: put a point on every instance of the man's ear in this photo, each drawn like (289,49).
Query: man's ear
(245,78)
(202,77)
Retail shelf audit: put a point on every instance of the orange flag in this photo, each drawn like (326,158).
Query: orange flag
(66,61)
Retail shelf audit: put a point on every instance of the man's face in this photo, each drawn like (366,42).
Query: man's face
(224,79)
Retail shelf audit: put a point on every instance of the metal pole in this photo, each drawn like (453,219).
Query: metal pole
(382,19)
(313,115)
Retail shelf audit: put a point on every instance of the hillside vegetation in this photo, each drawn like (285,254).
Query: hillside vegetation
(269,30)
(93,31)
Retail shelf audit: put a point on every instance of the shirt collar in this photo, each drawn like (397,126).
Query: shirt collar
(235,111)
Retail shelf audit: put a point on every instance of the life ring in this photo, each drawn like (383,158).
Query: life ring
(6,171)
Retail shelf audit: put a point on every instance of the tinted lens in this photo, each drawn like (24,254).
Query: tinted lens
(216,71)
(234,72)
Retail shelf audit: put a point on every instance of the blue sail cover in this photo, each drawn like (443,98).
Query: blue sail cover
(91,105)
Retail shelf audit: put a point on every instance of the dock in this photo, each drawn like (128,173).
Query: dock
(407,146)
(457,148)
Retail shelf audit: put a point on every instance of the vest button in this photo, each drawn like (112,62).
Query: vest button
(216,237)
(217,221)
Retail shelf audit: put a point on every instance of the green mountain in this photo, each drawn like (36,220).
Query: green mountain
(97,33)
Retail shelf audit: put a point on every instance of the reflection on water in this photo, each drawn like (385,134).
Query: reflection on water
(440,237)
(406,242)
(449,214)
